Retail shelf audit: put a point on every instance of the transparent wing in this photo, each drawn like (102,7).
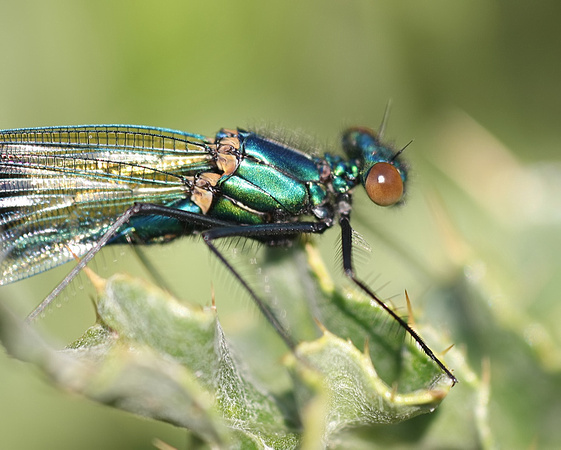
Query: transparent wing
(61,188)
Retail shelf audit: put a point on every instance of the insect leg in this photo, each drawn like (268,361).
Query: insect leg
(137,209)
(346,243)
(261,231)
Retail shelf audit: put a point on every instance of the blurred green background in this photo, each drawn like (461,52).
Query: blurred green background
(467,79)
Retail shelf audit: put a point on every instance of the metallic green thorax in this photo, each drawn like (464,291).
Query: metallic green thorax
(272,182)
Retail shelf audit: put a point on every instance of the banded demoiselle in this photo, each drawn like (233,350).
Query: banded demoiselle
(68,191)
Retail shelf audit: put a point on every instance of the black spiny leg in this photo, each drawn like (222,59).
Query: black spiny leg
(346,243)
(261,232)
(137,209)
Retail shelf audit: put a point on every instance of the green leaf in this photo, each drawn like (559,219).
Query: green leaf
(156,357)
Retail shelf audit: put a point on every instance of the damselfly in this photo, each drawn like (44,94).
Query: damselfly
(68,191)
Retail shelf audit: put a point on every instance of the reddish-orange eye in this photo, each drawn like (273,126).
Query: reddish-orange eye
(384,185)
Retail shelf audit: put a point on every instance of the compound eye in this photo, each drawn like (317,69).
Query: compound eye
(383,184)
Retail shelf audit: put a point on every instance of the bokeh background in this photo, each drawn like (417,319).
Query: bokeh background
(475,83)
